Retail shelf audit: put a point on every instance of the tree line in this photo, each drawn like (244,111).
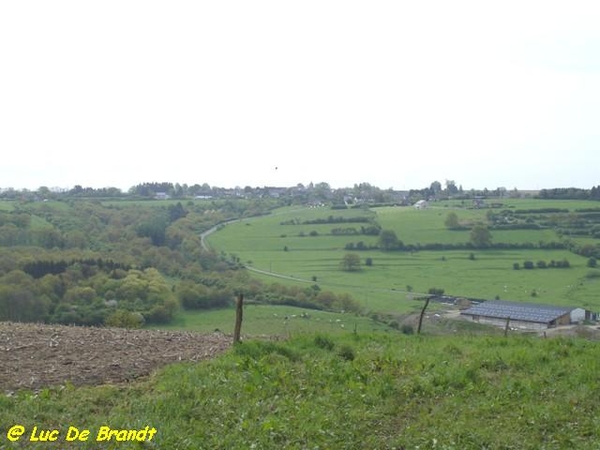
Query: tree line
(570,194)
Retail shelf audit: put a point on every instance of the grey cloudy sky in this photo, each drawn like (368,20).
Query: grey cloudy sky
(394,93)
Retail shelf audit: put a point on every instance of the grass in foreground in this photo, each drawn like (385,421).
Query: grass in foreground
(346,392)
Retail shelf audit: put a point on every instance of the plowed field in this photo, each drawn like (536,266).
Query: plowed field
(34,356)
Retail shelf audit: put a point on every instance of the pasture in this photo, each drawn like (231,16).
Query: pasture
(274,320)
(289,243)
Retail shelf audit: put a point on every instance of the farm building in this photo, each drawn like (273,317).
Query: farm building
(421,204)
(528,316)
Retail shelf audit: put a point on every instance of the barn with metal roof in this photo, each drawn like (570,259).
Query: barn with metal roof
(531,316)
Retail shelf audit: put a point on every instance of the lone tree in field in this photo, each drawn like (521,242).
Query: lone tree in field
(388,240)
(481,236)
(451,221)
(351,262)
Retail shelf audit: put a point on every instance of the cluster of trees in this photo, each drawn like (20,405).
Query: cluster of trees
(570,194)
(39,268)
(435,190)
(85,295)
(310,297)
(529,265)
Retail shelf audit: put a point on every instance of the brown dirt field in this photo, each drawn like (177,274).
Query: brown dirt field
(34,356)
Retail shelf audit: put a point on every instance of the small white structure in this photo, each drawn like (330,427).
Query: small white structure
(421,204)
(580,315)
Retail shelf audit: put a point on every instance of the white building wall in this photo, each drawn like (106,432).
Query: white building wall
(577,315)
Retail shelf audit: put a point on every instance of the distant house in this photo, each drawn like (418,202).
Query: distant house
(421,204)
(161,196)
(526,316)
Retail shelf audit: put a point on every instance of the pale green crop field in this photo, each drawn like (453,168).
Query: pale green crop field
(6,205)
(261,242)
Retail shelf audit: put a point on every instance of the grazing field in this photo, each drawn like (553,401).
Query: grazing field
(291,243)
(274,320)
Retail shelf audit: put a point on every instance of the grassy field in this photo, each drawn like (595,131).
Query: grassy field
(260,320)
(307,251)
(6,205)
(341,392)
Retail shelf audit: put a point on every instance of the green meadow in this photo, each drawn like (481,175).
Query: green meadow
(275,320)
(284,244)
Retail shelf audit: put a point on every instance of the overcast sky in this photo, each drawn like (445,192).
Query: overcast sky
(235,93)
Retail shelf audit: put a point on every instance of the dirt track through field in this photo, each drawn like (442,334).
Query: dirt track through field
(34,356)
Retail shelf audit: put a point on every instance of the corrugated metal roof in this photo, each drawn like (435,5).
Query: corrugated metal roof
(529,312)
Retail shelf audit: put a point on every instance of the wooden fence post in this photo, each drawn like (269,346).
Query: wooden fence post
(506,326)
(239,304)
(422,314)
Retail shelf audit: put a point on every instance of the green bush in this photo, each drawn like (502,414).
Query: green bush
(407,329)
(324,342)
(347,353)
(124,319)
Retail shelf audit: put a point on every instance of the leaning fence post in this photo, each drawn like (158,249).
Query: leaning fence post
(422,314)
(239,303)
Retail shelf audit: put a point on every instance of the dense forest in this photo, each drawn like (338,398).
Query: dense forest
(126,263)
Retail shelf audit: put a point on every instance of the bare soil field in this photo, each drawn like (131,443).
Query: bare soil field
(35,356)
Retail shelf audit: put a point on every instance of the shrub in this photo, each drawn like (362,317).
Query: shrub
(592,262)
(124,319)
(369,262)
(407,329)
(516,266)
(541,264)
(323,342)
(528,265)
(436,291)
(347,353)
